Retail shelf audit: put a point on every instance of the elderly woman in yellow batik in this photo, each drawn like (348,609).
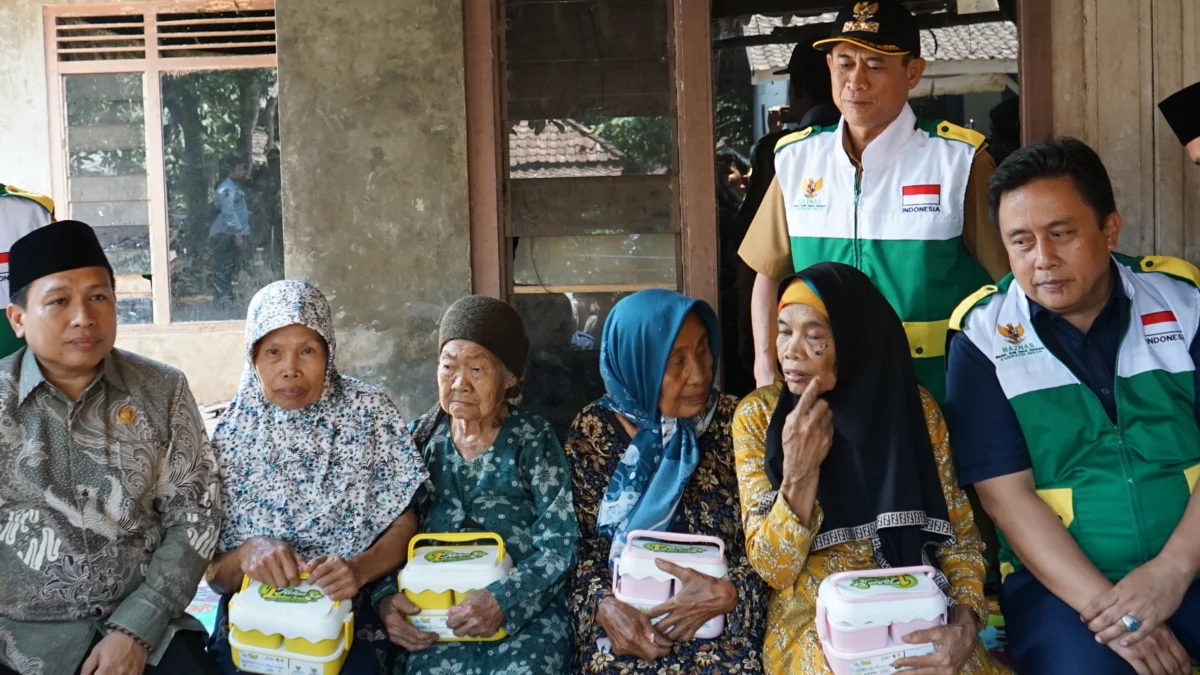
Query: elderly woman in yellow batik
(847,466)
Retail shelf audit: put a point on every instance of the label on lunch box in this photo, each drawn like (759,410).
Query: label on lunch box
(667,548)
(433,623)
(882,664)
(894,583)
(295,596)
(442,556)
(263,664)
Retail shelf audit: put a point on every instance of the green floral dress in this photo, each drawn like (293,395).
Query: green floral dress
(521,490)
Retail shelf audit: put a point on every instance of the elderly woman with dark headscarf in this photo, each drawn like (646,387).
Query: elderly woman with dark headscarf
(318,471)
(655,453)
(847,467)
(493,468)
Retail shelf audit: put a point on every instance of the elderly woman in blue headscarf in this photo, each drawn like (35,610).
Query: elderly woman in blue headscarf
(318,471)
(655,453)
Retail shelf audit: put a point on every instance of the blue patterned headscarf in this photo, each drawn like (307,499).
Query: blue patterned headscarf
(649,480)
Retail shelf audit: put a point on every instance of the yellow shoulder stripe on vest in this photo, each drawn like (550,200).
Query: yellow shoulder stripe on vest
(956,133)
(43,200)
(1176,267)
(792,138)
(965,306)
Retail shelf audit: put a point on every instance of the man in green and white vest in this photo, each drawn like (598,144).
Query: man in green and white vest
(900,198)
(1072,403)
(21,212)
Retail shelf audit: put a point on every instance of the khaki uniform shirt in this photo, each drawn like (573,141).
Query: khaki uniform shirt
(109,510)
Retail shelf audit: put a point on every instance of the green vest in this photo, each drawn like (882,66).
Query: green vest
(1120,489)
(900,221)
(21,212)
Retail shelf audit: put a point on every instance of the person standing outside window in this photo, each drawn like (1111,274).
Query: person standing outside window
(230,230)
(901,198)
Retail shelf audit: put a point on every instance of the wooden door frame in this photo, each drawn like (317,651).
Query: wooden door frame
(1035,39)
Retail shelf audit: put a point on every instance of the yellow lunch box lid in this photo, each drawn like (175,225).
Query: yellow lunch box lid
(440,567)
(302,611)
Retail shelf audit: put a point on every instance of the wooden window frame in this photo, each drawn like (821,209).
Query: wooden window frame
(151,68)
(1035,38)
(694,202)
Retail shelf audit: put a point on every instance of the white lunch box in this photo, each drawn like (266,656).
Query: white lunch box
(289,631)
(862,617)
(438,577)
(639,583)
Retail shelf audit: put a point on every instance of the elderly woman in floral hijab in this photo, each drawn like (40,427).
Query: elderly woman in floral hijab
(493,468)
(318,472)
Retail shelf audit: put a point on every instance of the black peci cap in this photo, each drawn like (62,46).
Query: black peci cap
(57,247)
(882,26)
(1182,112)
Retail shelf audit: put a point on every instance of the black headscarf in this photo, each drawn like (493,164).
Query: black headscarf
(490,323)
(880,480)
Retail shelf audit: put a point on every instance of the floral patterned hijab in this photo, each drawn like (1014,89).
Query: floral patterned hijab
(327,479)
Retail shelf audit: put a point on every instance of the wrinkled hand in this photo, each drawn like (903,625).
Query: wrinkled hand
(395,610)
(631,632)
(1157,653)
(116,654)
(807,435)
(699,599)
(953,645)
(337,577)
(271,562)
(478,615)
(1151,594)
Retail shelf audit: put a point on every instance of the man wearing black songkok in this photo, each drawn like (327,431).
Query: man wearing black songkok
(109,496)
(1182,111)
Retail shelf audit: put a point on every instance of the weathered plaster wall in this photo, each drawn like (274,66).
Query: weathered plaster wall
(1114,60)
(24,127)
(372,122)
(25,162)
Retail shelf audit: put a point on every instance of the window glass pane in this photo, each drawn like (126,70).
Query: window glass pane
(597,259)
(564,343)
(589,146)
(221,154)
(106,174)
(590,183)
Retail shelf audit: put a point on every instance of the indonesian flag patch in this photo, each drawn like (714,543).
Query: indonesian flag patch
(1161,327)
(922,195)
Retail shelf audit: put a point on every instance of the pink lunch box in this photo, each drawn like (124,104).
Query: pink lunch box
(638,582)
(863,617)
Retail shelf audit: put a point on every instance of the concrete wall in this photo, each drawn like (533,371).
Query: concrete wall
(1114,60)
(211,359)
(374,177)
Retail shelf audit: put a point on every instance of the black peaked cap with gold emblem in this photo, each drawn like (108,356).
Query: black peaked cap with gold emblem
(883,26)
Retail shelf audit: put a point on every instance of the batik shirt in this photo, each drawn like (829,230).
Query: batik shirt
(709,507)
(779,546)
(108,510)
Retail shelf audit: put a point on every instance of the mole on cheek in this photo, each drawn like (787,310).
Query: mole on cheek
(820,348)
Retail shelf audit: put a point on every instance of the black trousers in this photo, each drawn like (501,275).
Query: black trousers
(184,656)
(226,256)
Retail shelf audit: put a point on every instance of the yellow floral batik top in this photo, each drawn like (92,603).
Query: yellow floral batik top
(778,546)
